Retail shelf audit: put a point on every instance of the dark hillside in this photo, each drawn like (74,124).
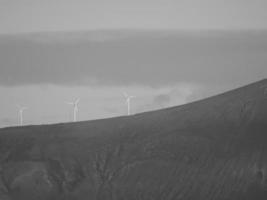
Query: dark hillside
(213,149)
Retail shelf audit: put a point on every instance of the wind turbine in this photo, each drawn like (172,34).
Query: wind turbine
(20,113)
(128,102)
(75,108)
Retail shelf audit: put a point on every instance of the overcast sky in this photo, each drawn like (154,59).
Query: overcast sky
(40,15)
(166,53)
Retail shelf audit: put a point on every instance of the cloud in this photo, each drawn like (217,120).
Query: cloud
(8,121)
(162,100)
(47,103)
(146,58)
(157,102)
(170,96)
(112,110)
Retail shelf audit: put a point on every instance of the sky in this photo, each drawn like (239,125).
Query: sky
(53,15)
(166,53)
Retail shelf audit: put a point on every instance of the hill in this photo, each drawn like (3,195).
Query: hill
(213,149)
(106,54)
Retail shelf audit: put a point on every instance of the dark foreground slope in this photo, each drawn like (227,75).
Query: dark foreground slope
(215,149)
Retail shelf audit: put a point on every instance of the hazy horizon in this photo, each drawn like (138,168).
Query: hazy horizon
(166,53)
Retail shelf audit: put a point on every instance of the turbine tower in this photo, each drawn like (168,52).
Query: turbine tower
(20,113)
(128,102)
(75,108)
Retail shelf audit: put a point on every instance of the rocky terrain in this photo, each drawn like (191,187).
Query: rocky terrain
(213,149)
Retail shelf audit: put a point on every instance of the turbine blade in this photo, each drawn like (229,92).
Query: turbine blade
(125,94)
(77,101)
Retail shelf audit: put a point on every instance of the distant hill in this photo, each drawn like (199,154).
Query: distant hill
(213,149)
(101,57)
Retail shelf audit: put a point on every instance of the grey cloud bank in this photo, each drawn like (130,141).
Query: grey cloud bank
(133,57)
(59,15)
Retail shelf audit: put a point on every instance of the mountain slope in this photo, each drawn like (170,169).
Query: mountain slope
(211,149)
